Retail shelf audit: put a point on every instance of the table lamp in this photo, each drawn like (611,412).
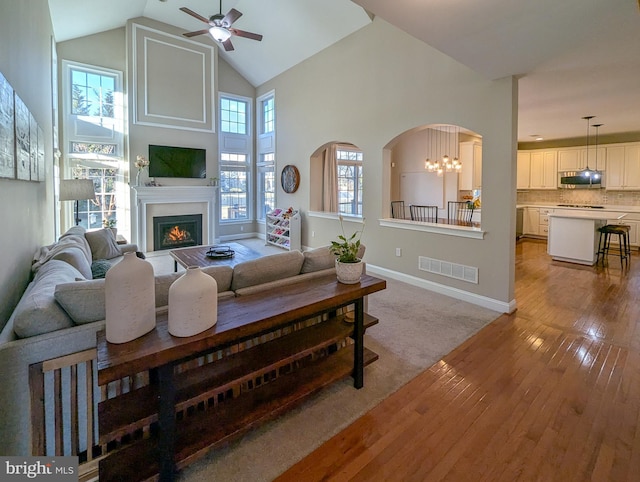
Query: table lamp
(76,190)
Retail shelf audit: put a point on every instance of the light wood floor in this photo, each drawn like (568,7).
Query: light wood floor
(549,393)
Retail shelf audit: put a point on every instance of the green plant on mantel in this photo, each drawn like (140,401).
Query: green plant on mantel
(109,223)
(347,248)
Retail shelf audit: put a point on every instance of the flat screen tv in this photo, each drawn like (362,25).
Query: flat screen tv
(166,161)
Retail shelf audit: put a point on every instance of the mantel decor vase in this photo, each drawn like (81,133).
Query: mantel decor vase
(193,303)
(130,300)
(349,273)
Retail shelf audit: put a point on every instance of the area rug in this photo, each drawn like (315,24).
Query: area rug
(416,329)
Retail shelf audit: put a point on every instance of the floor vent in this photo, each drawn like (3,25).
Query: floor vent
(445,268)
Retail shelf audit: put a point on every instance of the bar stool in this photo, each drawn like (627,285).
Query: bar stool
(604,243)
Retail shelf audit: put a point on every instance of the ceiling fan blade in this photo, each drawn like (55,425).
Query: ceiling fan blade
(194,14)
(231,17)
(197,32)
(228,46)
(243,33)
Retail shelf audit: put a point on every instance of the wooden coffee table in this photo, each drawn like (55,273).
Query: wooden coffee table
(196,256)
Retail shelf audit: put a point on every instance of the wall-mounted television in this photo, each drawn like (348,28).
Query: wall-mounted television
(166,161)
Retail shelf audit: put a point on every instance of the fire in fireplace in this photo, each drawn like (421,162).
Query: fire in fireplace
(170,232)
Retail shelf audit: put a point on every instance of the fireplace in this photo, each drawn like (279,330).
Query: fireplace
(170,232)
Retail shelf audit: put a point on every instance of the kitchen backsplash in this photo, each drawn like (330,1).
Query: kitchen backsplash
(580,196)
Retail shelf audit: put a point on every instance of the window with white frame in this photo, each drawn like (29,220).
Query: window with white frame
(235,158)
(266,184)
(349,181)
(93,146)
(266,165)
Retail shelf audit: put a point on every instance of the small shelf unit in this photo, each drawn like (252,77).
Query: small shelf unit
(282,228)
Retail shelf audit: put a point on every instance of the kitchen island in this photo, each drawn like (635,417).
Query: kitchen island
(574,236)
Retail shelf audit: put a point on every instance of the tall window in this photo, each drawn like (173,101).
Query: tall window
(93,146)
(349,181)
(266,165)
(233,186)
(268,115)
(235,159)
(266,184)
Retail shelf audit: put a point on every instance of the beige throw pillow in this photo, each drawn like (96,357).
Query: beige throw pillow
(103,244)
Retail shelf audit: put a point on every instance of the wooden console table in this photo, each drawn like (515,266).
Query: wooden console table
(181,413)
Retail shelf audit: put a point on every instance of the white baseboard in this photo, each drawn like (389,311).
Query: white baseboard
(232,237)
(456,293)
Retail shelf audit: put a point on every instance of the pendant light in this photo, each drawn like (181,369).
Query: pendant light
(587,172)
(596,174)
(450,144)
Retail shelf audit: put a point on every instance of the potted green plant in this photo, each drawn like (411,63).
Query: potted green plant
(348,265)
(111,224)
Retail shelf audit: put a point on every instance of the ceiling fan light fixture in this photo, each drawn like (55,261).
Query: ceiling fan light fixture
(220,34)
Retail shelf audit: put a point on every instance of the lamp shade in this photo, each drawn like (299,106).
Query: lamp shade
(76,189)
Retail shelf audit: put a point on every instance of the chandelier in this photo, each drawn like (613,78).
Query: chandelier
(592,174)
(442,141)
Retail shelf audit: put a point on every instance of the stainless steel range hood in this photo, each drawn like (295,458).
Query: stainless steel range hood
(580,180)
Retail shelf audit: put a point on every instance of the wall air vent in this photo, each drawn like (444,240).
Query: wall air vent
(446,268)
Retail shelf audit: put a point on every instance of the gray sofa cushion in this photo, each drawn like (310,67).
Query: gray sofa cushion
(322,258)
(103,244)
(38,312)
(222,275)
(268,268)
(82,300)
(77,258)
(318,259)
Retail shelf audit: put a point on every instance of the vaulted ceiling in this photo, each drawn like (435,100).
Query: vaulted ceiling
(573,57)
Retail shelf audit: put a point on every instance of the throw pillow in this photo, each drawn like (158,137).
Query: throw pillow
(83,301)
(99,268)
(103,244)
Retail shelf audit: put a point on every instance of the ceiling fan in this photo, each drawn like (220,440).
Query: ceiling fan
(220,27)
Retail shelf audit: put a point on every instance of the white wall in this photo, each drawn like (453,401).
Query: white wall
(26,208)
(373,86)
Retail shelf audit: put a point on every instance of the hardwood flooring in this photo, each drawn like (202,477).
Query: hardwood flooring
(548,393)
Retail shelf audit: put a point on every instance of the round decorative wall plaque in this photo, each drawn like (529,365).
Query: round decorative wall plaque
(290,178)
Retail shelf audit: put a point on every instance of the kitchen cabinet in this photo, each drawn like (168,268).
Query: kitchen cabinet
(536,221)
(575,158)
(523,170)
(471,158)
(544,170)
(623,167)
(531,221)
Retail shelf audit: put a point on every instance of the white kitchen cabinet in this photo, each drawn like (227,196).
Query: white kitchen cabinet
(595,162)
(544,170)
(543,221)
(623,167)
(523,170)
(471,158)
(569,160)
(575,158)
(531,221)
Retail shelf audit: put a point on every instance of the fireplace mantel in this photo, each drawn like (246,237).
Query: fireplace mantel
(144,196)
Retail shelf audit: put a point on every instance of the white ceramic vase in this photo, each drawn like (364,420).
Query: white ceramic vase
(193,303)
(130,299)
(349,273)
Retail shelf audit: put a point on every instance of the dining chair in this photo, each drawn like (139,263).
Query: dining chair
(397,209)
(459,212)
(428,214)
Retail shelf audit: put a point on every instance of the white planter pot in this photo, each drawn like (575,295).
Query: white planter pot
(349,273)
(193,303)
(130,299)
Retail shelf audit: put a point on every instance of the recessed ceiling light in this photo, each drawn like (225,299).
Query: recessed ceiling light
(537,137)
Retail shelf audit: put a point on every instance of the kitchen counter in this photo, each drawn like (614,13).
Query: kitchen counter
(574,235)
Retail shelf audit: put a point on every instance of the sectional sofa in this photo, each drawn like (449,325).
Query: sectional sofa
(63,308)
